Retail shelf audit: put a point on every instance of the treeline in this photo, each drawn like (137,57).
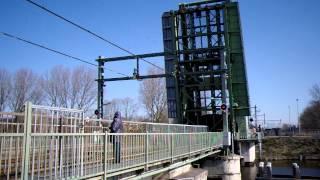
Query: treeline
(77,88)
(61,86)
(310,118)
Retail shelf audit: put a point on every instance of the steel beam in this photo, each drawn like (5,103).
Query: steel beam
(122,58)
(157,54)
(197,3)
(137,77)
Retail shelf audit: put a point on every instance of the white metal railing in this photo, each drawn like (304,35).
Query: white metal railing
(43,151)
(65,155)
(59,120)
(135,126)
(43,120)
(11,122)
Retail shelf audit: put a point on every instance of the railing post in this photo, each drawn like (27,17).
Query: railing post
(105,154)
(269,170)
(26,140)
(82,145)
(296,171)
(190,138)
(171,146)
(261,169)
(146,150)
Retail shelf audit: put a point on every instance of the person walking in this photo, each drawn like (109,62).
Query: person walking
(116,127)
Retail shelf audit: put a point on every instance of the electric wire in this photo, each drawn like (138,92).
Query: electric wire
(90,32)
(55,51)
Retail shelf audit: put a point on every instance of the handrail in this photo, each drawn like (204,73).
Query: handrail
(53,143)
(65,155)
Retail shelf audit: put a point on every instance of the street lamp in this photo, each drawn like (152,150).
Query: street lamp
(255,115)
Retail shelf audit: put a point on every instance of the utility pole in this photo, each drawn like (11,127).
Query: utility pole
(255,115)
(100,81)
(298,115)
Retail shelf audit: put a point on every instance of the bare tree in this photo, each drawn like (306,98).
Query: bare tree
(111,107)
(153,96)
(83,88)
(5,87)
(126,106)
(315,93)
(56,85)
(70,89)
(310,117)
(25,87)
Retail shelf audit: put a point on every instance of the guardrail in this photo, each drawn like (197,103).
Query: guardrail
(11,122)
(43,151)
(76,155)
(61,120)
(142,127)
(43,119)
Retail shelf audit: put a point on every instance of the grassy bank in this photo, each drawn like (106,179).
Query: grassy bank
(287,148)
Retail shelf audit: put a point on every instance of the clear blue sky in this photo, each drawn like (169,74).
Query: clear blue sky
(281,40)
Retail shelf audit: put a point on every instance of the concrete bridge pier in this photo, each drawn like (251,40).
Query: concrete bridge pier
(248,152)
(188,172)
(224,167)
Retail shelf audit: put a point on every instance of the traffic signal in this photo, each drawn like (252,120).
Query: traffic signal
(96,112)
(223,107)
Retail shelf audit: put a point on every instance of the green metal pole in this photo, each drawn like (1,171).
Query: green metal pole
(100,81)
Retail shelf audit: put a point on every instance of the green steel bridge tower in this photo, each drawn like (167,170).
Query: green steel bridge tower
(204,50)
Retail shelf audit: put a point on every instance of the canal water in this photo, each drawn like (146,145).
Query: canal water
(282,168)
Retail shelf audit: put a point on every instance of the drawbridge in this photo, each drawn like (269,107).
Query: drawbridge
(58,143)
(208,109)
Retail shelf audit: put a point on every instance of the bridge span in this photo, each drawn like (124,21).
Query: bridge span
(58,143)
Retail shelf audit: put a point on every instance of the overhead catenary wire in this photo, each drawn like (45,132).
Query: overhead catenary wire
(55,51)
(90,32)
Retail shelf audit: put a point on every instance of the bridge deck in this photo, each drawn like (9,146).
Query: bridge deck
(65,155)
(58,143)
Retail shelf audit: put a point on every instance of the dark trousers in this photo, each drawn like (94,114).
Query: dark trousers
(116,151)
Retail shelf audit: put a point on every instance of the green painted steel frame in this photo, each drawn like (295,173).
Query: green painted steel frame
(235,54)
(237,84)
